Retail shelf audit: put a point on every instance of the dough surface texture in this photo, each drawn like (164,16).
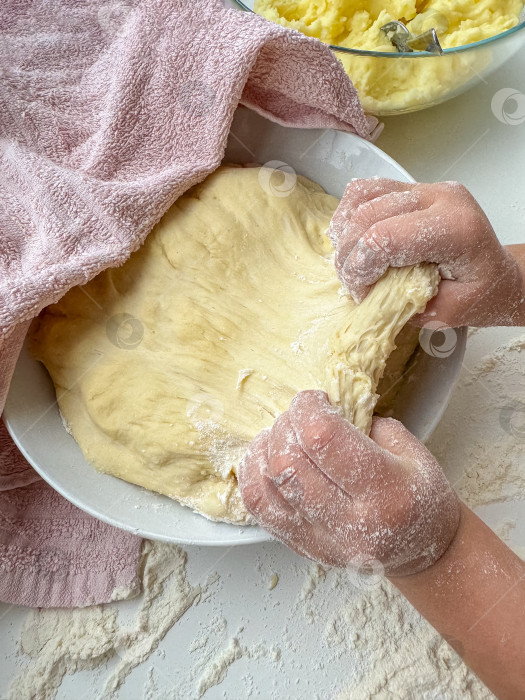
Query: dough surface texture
(167,367)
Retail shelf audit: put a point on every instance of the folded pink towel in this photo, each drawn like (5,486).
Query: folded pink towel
(109,111)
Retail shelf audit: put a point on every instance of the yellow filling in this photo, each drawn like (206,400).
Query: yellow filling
(386,85)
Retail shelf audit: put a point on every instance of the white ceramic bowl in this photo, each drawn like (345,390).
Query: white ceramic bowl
(329,157)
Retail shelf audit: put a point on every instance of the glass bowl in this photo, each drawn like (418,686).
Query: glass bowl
(396,83)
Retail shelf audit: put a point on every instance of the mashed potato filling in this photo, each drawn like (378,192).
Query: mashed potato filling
(386,85)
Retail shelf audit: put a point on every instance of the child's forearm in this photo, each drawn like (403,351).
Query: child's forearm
(475,596)
(518,253)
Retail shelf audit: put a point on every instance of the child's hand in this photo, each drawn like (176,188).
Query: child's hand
(381,223)
(332,494)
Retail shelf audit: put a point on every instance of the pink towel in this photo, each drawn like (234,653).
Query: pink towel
(51,553)
(108,112)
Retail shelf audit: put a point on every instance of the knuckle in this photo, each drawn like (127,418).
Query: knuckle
(306,402)
(254,461)
(348,238)
(243,470)
(456,193)
(282,468)
(470,220)
(450,187)
(462,191)
(320,433)
(459,189)
(379,237)
(353,194)
(359,190)
(339,224)
(364,213)
(354,186)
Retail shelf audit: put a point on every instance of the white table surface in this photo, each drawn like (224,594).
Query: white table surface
(459,140)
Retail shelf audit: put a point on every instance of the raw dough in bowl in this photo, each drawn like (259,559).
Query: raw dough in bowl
(166,367)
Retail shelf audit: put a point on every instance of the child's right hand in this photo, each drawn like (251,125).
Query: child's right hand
(333,494)
(381,223)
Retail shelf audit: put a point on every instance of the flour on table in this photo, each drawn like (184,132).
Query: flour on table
(315,574)
(216,670)
(405,657)
(214,628)
(486,471)
(63,641)
(393,651)
(151,689)
(217,665)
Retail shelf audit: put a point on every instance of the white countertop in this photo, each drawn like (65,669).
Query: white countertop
(460,140)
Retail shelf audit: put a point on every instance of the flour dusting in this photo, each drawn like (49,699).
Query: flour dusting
(405,657)
(63,641)
(223,449)
(216,670)
(491,471)
(217,665)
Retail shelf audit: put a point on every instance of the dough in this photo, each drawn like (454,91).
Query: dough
(167,367)
(399,367)
(360,349)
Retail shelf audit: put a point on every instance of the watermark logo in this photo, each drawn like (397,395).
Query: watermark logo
(277,178)
(512,420)
(508,106)
(437,339)
(365,573)
(124,331)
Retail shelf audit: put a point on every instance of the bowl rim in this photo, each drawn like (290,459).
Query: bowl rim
(411,54)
